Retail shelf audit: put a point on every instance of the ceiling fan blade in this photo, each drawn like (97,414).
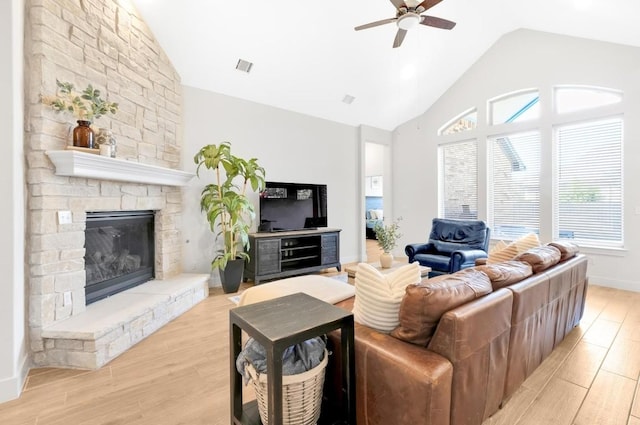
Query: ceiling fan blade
(428,4)
(399,37)
(398,3)
(375,24)
(432,21)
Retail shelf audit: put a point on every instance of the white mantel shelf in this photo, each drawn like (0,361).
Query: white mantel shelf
(80,164)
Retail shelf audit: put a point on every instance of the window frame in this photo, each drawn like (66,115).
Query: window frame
(546,124)
(594,243)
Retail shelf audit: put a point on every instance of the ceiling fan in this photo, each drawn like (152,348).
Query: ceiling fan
(408,16)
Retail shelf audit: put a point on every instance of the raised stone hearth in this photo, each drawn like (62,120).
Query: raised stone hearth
(109,327)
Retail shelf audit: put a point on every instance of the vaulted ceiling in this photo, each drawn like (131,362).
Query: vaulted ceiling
(306,55)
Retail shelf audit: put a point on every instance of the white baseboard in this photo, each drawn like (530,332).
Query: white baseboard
(626,285)
(11,388)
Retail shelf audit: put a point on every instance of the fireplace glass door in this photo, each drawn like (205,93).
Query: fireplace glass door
(119,252)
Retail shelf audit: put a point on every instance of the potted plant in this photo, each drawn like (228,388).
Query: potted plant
(229,211)
(85,106)
(387,236)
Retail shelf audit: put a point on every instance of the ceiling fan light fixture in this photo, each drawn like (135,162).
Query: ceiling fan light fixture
(408,21)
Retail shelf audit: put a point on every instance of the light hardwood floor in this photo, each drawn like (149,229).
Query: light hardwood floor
(179,375)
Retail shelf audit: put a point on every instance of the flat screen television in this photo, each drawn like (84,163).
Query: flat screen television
(292,206)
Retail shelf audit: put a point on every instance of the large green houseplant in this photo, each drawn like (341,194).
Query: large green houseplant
(229,211)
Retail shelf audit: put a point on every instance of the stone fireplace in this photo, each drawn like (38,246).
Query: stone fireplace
(72,333)
(106,44)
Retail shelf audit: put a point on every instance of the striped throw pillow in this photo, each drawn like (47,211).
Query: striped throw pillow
(505,254)
(378,295)
(499,246)
(527,242)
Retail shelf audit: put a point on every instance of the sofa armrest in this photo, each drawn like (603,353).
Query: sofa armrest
(417,248)
(465,258)
(396,382)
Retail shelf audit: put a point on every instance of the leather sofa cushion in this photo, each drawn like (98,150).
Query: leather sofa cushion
(378,295)
(540,258)
(567,249)
(424,304)
(505,274)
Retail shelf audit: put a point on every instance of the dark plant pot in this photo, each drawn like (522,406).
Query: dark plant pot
(231,275)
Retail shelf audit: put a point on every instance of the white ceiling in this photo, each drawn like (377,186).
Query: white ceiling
(307,56)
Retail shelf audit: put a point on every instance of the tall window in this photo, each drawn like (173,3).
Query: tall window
(588,195)
(459,180)
(514,185)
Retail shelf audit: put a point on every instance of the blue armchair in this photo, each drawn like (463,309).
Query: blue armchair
(453,245)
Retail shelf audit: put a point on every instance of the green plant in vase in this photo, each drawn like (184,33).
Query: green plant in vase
(387,236)
(229,211)
(85,106)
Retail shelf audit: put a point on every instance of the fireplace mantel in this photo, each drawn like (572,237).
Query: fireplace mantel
(80,164)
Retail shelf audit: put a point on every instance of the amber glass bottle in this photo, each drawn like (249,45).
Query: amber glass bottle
(83,136)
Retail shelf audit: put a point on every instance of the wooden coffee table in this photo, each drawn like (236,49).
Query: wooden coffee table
(351,269)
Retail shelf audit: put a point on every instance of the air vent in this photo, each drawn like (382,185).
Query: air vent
(348,99)
(244,66)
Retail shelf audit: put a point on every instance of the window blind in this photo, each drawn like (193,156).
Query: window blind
(588,196)
(514,185)
(459,180)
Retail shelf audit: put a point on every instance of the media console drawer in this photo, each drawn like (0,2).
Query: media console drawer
(275,255)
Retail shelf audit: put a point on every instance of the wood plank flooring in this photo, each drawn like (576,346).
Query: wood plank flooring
(179,375)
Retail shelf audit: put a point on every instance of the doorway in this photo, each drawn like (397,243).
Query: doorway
(376,180)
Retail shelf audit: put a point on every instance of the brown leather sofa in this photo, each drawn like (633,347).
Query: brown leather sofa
(480,353)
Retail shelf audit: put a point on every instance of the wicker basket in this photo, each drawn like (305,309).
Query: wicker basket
(301,394)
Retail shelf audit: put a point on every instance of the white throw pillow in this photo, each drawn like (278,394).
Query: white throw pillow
(378,295)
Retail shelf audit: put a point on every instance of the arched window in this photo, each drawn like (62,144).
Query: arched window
(515,107)
(468,120)
(577,98)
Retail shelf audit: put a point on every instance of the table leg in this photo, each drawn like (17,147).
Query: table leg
(235,344)
(274,385)
(349,371)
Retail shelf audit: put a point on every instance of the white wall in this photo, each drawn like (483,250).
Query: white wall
(13,357)
(374,159)
(291,147)
(526,59)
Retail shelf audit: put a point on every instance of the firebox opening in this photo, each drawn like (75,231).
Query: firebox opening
(119,252)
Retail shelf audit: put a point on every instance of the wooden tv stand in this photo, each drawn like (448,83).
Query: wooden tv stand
(275,255)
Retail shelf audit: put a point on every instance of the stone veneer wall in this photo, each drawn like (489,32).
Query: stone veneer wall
(106,44)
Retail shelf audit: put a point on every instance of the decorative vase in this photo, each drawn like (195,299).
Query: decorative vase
(83,136)
(386,260)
